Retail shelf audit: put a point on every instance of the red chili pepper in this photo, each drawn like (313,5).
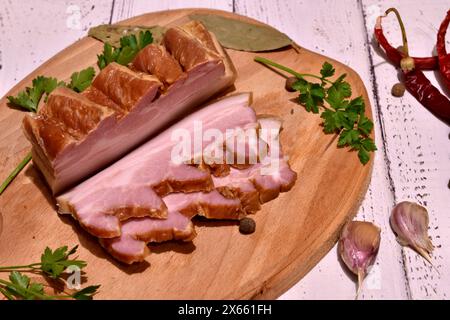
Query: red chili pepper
(415,81)
(428,95)
(444,57)
(428,63)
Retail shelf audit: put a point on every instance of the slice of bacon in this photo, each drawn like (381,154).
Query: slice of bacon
(131,246)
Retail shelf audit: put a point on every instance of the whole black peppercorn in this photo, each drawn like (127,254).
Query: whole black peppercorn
(247,226)
(289,83)
(398,90)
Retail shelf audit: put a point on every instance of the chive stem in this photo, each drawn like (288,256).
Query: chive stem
(28,266)
(289,70)
(15,172)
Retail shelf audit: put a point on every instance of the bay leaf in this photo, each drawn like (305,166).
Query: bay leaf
(112,33)
(244,36)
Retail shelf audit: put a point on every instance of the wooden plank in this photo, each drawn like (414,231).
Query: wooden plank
(36,30)
(124,9)
(417,143)
(326,29)
(224,264)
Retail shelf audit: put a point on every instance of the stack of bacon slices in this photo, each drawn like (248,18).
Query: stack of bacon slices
(147,195)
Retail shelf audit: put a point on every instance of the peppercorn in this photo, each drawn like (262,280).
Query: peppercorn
(398,90)
(289,83)
(247,226)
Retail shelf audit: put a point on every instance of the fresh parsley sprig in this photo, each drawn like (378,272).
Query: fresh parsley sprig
(53,264)
(29,98)
(129,48)
(20,286)
(332,99)
(79,81)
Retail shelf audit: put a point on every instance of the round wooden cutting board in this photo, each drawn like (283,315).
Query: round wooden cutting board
(293,232)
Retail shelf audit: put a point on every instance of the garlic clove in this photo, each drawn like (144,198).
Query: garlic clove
(410,222)
(358,247)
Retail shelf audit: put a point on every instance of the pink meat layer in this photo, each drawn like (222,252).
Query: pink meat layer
(128,183)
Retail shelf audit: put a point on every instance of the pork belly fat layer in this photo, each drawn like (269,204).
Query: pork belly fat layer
(155,59)
(187,49)
(121,110)
(97,96)
(191,44)
(125,87)
(150,169)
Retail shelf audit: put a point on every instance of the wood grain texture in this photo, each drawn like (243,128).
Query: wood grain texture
(293,232)
(343,29)
(33,31)
(332,27)
(417,144)
(325,29)
(124,9)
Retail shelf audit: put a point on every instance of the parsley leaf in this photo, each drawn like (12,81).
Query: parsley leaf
(368,144)
(30,97)
(109,55)
(338,93)
(347,137)
(329,123)
(129,48)
(365,125)
(363,156)
(54,263)
(20,287)
(363,146)
(85,293)
(311,94)
(327,70)
(79,81)
(357,105)
(342,86)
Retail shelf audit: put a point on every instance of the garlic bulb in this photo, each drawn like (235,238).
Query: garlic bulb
(358,247)
(410,222)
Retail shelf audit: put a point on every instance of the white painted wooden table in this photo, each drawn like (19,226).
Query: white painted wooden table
(413,160)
